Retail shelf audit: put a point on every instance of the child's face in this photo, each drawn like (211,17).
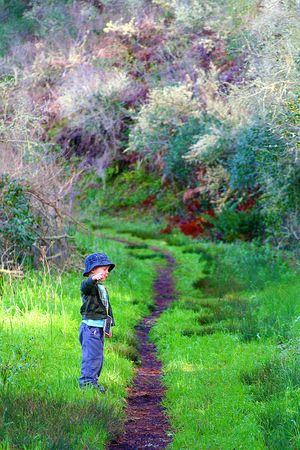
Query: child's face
(103,270)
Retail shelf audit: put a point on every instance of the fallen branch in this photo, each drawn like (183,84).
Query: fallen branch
(53,256)
(12,272)
(62,236)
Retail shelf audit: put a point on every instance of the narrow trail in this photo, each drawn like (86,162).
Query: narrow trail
(146,424)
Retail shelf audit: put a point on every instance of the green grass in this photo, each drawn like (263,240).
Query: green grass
(231,363)
(124,196)
(229,345)
(41,404)
(141,229)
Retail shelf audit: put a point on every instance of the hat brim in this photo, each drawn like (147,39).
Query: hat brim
(111,267)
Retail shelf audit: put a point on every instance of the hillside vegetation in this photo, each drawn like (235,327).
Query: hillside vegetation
(201,96)
(167,122)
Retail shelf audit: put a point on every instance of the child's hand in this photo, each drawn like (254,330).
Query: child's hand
(98,276)
(109,335)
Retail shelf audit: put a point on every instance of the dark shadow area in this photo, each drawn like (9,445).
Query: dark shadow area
(29,420)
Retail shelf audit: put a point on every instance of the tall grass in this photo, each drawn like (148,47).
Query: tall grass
(230,349)
(229,345)
(41,404)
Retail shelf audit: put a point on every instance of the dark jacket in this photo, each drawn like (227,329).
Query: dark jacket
(92,306)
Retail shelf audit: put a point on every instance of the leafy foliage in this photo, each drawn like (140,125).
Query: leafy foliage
(251,144)
(166,110)
(18,224)
(232,224)
(204,93)
(176,168)
(13,25)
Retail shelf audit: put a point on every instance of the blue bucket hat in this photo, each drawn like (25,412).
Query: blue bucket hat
(97,259)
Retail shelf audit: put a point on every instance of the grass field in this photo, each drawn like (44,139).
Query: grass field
(229,347)
(41,405)
(230,350)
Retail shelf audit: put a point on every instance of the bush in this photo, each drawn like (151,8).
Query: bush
(91,99)
(131,188)
(223,15)
(176,168)
(167,109)
(231,224)
(247,164)
(18,225)
(13,25)
(267,158)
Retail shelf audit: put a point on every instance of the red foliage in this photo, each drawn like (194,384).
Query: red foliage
(193,206)
(111,47)
(206,222)
(248,204)
(145,54)
(210,212)
(150,33)
(167,230)
(130,158)
(149,201)
(135,95)
(192,228)
(172,222)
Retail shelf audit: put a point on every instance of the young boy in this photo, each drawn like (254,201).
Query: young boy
(94,310)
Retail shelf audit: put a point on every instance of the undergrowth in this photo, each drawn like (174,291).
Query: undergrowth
(41,405)
(231,363)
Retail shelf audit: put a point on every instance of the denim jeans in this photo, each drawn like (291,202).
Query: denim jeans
(92,344)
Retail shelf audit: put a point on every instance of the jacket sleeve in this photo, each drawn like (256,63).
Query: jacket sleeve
(87,285)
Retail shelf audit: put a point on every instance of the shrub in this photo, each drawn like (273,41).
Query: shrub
(18,225)
(90,99)
(232,224)
(92,102)
(176,168)
(35,185)
(63,22)
(13,24)
(247,164)
(168,108)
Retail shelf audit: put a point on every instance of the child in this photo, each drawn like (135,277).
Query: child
(94,309)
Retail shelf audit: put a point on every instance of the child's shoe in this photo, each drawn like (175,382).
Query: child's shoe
(100,388)
(94,386)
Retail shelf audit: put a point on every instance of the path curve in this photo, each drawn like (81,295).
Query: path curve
(146,424)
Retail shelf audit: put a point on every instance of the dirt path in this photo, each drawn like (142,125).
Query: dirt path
(146,424)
